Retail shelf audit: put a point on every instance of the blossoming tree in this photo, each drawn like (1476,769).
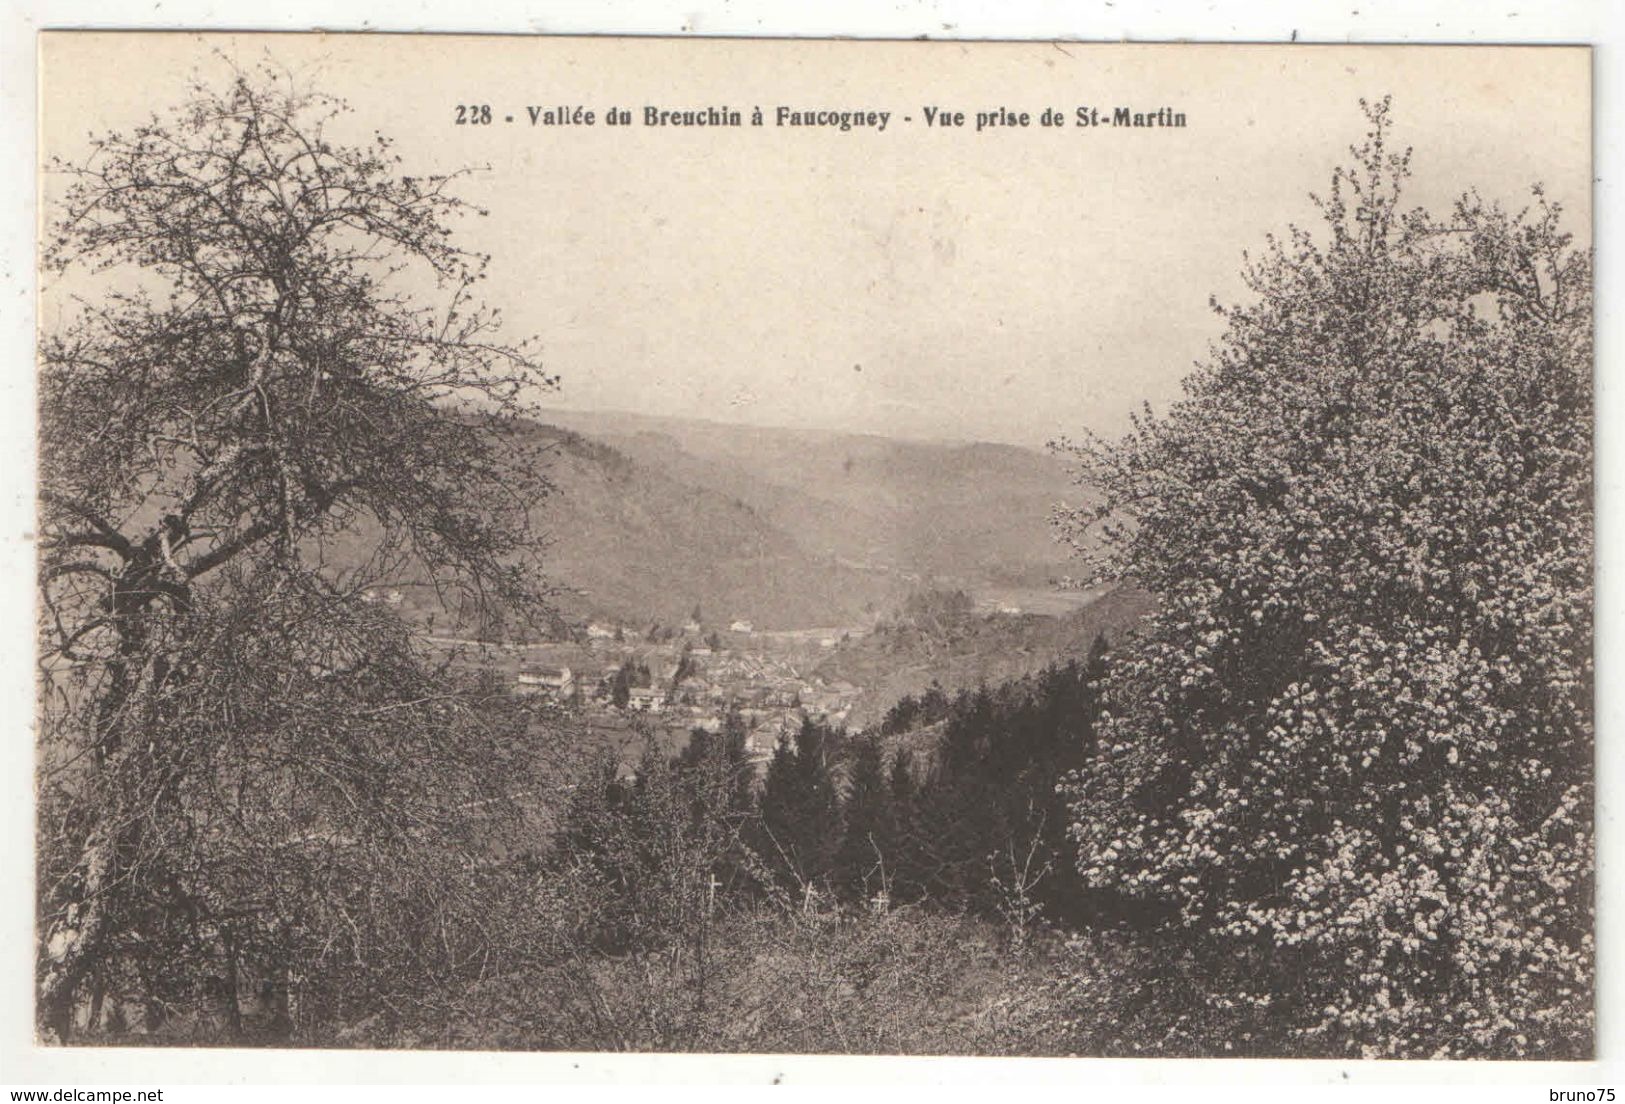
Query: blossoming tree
(1354,743)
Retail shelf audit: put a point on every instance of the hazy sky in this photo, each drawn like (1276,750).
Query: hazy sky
(1013,284)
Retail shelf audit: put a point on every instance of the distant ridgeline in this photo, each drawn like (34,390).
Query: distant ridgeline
(788,528)
(784,529)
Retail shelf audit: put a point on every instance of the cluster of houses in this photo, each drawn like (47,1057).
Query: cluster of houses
(687,683)
(600,630)
(558,683)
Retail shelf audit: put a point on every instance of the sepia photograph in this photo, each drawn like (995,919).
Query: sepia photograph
(814,547)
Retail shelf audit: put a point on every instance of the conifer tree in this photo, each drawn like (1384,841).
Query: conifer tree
(905,849)
(800,810)
(865,861)
(720,778)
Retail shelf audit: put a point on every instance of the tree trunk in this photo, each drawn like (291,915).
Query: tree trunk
(73,944)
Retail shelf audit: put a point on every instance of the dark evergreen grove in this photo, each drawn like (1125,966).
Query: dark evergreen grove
(973,823)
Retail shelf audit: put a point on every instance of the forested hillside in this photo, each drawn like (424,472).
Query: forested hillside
(958,512)
(639,543)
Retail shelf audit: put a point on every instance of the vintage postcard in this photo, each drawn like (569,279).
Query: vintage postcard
(814,547)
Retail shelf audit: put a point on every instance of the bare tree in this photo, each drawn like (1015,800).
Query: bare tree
(276,391)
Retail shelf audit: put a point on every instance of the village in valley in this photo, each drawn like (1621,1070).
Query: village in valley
(670,680)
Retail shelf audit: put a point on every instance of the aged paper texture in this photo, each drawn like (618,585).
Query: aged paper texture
(822,547)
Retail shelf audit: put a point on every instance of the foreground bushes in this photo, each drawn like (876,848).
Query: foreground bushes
(759,979)
(764,981)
